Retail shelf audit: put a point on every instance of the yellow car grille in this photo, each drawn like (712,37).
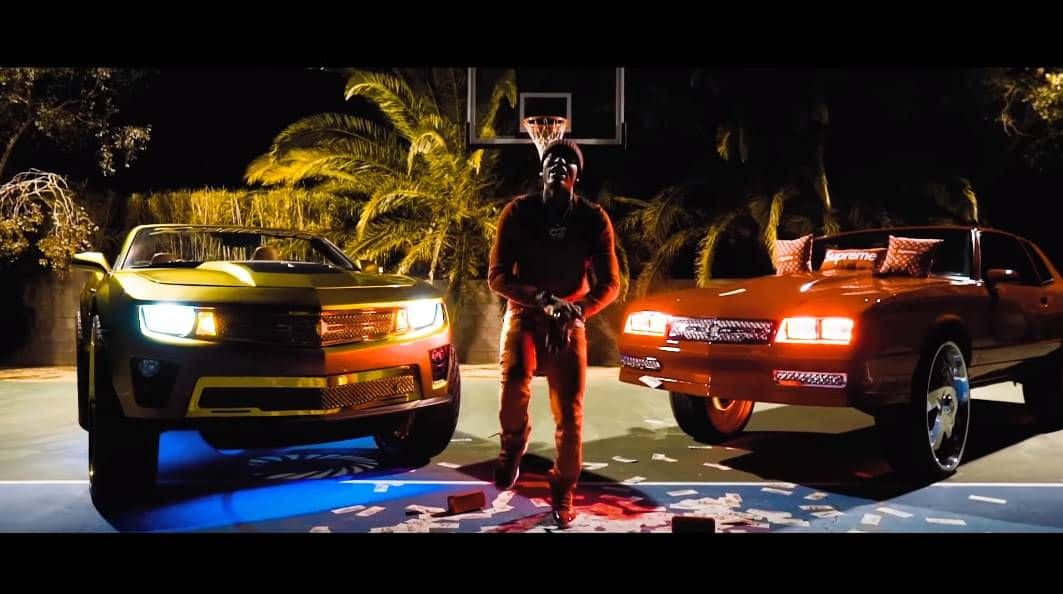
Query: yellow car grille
(366,394)
(310,329)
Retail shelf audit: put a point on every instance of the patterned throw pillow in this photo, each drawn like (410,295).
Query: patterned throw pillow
(793,255)
(907,255)
(863,259)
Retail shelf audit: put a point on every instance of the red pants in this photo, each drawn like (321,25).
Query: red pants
(522,351)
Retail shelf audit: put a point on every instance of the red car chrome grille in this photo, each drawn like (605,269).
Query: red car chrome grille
(721,330)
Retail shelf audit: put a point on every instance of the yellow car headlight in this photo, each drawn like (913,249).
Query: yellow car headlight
(170,319)
(419,316)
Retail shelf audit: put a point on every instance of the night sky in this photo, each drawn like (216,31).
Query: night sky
(208,124)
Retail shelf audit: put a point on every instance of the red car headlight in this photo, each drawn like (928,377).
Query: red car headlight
(647,323)
(833,330)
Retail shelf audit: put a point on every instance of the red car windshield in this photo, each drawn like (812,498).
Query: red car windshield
(953,257)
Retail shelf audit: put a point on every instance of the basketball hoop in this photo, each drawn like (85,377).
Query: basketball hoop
(544,130)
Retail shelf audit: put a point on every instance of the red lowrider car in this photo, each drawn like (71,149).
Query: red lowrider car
(906,349)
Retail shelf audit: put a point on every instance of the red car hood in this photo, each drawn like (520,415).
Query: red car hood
(774,297)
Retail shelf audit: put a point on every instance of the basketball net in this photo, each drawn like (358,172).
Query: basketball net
(544,130)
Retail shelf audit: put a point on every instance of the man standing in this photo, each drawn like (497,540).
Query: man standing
(547,245)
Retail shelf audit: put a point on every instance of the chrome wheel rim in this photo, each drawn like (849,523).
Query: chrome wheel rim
(948,406)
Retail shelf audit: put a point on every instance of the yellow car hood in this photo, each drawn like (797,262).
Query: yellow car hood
(233,274)
(273,282)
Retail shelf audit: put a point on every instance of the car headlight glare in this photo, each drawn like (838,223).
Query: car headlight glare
(832,330)
(167,318)
(647,323)
(419,316)
(424,314)
(170,319)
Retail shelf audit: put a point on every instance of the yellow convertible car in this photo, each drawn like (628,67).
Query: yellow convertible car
(256,338)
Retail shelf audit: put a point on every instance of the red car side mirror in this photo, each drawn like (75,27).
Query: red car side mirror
(1001,275)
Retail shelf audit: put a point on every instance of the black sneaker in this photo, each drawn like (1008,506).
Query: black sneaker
(507,469)
(561,502)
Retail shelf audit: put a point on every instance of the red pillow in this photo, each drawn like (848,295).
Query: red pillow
(793,255)
(862,259)
(907,255)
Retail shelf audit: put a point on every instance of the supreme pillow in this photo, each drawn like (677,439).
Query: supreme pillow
(910,256)
(862,259)
(793,255)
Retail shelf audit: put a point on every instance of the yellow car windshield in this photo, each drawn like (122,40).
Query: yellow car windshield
(191,246)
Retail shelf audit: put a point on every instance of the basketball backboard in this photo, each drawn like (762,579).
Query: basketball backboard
(591,99)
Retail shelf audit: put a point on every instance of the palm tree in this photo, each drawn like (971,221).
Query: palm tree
(666,224)
(283,208)
(425,197)
(774,129)
(681,217)
(770,140)
(623,242)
